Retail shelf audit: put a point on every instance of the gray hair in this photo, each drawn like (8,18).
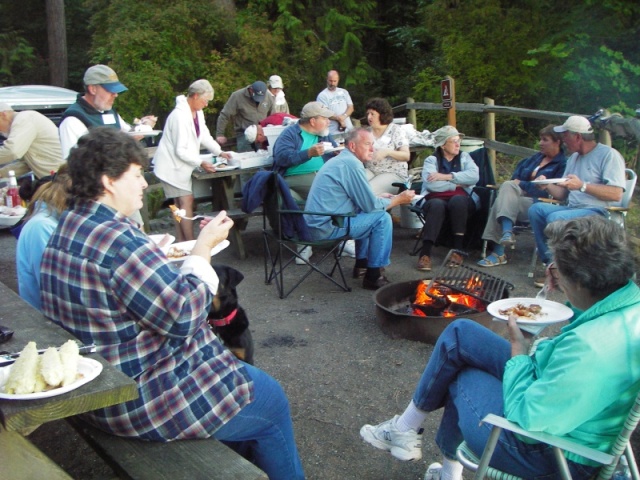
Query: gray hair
(352,134)
(592,252)
(5,107)
(588,137)
(201,88)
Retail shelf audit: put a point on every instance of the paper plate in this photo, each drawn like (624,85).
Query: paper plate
(552,312)
(152,133)
(88,369)
(188,246)
(548,181)
(224,168)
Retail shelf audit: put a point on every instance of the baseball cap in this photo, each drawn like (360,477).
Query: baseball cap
(259,90)
(443,134)
(315,109)
(575,124)
(105,77)
(275,81)
(251,132)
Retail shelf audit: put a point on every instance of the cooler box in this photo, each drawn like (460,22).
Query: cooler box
(272,133)
(251,159)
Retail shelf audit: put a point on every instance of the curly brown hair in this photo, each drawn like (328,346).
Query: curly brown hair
(383,107)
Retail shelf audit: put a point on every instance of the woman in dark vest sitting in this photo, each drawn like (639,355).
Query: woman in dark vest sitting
(448,179)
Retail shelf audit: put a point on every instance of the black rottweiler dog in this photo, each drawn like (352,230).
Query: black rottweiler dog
(227,318)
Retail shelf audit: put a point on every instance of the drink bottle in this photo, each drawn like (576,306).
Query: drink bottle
(12,198)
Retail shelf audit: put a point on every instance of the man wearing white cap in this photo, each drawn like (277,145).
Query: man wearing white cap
(244,107)
(32,137)
(594,176)
(94,107)
(276,86)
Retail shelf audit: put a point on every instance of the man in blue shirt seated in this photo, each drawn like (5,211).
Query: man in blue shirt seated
(298,151)
(341,186)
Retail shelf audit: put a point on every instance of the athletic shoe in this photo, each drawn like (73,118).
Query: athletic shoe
(406,446)
(433,472)
(305,252)
(349,249)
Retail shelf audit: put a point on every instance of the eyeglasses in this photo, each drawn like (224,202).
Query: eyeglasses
(454,141)
(553,271)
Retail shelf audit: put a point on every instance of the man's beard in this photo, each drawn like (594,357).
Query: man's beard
(324,133)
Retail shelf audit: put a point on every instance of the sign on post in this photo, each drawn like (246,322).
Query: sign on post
(445,92)
(448,93)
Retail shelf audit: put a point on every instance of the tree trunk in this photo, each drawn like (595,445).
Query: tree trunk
(57,39)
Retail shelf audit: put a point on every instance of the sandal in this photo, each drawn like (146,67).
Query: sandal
(507,240)
(493,260)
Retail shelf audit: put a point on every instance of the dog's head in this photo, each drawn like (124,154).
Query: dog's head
(226,299)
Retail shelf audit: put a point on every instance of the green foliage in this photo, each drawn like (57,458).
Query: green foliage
(16,58)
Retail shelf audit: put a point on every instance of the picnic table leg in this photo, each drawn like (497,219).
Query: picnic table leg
(222,190)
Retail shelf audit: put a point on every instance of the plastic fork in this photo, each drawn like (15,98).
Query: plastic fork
(195,217)
(542,294)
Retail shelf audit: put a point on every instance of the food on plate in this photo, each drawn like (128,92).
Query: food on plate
(51,367)
(178,213)
(33,373)
(69,356)
(177,252)
(532,311)
(327,145)
(22,378)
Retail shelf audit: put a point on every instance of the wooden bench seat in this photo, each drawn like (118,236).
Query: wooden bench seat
(22,460)
(181,459)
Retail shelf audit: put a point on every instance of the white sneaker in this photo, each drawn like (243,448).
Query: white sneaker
(406,446)
(305,252)
(349,249)
(433,472)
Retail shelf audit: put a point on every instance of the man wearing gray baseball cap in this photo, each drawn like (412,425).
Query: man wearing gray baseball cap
(94,107)
(244,107)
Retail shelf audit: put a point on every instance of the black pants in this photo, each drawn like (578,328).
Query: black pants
(457,209)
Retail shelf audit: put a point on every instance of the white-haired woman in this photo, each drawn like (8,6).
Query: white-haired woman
(178,154)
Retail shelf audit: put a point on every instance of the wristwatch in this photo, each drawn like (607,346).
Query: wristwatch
(583,188)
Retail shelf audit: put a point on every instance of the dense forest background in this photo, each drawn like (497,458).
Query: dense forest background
(572,56)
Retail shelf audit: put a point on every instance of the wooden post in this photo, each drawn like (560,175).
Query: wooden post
(448,94)
(411,114)
(604,136)
(490,131)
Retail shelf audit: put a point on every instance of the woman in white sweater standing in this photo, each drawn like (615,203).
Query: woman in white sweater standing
(178,154)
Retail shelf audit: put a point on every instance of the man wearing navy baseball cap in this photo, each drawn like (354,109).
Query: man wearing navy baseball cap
(94,107)
(245,107)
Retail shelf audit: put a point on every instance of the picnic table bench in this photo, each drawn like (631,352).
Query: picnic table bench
(181,459)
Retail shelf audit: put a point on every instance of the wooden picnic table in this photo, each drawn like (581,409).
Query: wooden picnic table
(23,416)
(222,198)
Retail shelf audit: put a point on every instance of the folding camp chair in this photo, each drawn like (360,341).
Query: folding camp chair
(284,231)
(609,460)
(477,221)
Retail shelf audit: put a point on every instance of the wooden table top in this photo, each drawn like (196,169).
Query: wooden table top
(202,175)
(109,388)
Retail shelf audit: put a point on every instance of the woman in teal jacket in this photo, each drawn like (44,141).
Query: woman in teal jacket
(580,384)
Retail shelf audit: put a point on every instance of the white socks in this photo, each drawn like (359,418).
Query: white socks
(451,470)
(411,418)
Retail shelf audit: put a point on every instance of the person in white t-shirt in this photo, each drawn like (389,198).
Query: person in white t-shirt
(339,101)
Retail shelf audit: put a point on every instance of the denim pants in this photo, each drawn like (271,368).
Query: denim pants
(542,214)
(263,432)
(373,233)
(464,375)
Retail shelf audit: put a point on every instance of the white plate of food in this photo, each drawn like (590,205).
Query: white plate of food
(162,239)
(181,250)
(88,369)
(223,167)
(549,181)
(530,311)
(333,149)
(145,133)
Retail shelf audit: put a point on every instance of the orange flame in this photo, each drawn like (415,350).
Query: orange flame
(422,298)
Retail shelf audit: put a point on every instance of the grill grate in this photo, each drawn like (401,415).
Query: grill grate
(469,281)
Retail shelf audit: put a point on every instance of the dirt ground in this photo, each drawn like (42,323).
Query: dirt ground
(324,346)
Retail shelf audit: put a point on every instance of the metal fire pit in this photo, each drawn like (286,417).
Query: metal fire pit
(395,317)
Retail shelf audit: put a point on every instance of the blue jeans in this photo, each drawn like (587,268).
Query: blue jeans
(542,214)
(373,233)
(263,432)
(464,375)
